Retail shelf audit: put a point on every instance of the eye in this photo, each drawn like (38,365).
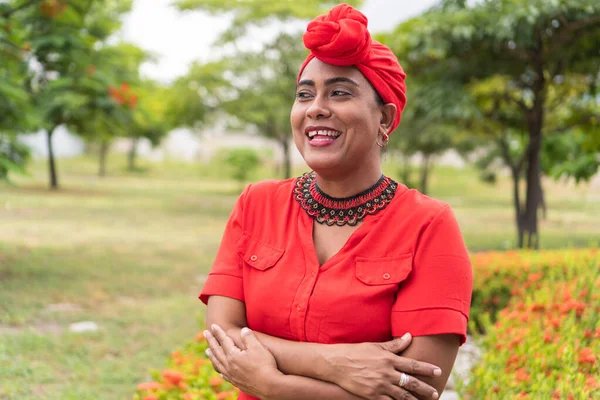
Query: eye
(303,95)
(339,92)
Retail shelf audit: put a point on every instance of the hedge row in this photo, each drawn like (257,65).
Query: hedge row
(541,316)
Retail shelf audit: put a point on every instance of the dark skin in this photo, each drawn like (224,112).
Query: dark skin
(339,98)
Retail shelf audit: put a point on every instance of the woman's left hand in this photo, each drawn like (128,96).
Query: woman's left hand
(249,370)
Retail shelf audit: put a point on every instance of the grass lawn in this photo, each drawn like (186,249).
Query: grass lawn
(130,252)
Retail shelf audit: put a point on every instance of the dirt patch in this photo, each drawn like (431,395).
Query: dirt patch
(63,191)
(42,328)
(63,307)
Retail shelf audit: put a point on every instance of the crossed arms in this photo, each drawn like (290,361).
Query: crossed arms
(272,368)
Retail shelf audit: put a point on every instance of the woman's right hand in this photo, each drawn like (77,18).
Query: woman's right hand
(374,370)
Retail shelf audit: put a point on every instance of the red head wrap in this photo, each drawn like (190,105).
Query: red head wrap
(341,38)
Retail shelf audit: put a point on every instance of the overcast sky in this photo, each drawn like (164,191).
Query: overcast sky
(177,39)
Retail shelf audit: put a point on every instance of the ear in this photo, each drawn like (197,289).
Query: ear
(388,116)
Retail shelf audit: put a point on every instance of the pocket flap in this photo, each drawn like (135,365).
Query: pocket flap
(383,271)
(258,254)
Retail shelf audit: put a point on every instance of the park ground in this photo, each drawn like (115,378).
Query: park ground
(130,252)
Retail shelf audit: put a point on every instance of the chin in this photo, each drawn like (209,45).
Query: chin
(324,163)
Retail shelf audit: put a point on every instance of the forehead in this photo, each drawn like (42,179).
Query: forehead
(318,72)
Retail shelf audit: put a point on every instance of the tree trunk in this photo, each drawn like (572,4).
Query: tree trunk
(535,123)
(103,153)
(132,154)
(425,173)
(534,184)
(405,172)
(51,161)
(542,200)
(517,205)
(287,160)
(277,169)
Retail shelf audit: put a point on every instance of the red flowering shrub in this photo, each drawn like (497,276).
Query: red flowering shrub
(544,343)
(189,376)
(501,275)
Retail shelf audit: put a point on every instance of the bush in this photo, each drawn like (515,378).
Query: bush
(499,276)
(242,162)
(545,342)
(189,376)
(13,157)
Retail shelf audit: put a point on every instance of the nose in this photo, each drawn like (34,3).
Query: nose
(318,109)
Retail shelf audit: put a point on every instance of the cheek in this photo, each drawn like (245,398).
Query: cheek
(296,118)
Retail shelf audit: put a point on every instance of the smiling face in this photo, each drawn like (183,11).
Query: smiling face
(336,119)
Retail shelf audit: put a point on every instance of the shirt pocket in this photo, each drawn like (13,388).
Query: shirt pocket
(267,306)
(257,253)
(383,271)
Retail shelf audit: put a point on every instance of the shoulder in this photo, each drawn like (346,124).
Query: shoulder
(420,208)
(437,230)
(268,190)
(268,207)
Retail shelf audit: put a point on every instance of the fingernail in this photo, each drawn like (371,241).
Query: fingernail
(245,331)
(213,327)
(206,333)
(207,352)
(406,336)
(435,395)
(437,372)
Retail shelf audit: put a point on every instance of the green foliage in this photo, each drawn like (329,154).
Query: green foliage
(495,47)
(243,162)
(255,90)
(13,157)
(196,97)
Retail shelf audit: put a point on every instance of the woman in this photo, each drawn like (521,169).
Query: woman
(335,270)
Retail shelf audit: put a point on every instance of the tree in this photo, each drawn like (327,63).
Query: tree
(150,118)
(117,67)
(534,47)
(428,127)
(62,38)
(265,91)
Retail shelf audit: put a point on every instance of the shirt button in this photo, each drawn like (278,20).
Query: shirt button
(386,276)
(313,273)
(253,257)
(299,308)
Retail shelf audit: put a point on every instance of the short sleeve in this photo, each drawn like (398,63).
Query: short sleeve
(436,296)
(225,277)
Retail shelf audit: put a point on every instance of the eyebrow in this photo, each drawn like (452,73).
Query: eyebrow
(338,79)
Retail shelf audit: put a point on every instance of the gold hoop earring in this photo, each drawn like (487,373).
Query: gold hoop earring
(385,141)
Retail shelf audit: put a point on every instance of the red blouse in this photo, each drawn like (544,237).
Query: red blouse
(404,269)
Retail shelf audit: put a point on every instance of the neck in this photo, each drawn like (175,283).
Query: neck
(346,186)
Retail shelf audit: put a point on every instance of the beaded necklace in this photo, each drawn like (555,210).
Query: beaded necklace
(342,211)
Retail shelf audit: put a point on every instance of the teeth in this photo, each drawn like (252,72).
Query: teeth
(334,134)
